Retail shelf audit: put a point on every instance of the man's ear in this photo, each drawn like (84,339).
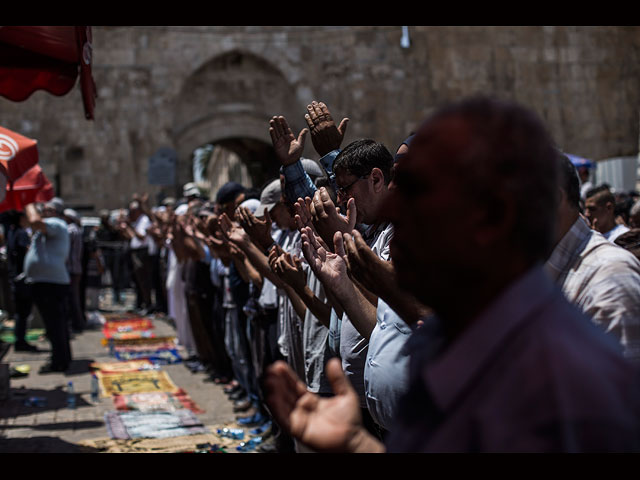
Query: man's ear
(610,206)
(378,179)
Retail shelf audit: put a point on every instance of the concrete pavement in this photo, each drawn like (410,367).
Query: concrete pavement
(54,428)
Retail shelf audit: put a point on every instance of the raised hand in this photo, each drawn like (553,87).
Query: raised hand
(288,268)
(233,232)
(288,148)
(364,265)
(324,424)
(327,220)
(329,267)
(303,213)
(325,136)
(235,252)
(258,230)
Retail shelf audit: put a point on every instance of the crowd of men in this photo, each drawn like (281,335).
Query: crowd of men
(461,293)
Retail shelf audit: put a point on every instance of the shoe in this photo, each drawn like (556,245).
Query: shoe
(252,421)
(262,429)
(20,371)
(233,386)
(48,368)
(269,447)
(238,394)
(25,347)
(218,379)
(242,405)
(195,367)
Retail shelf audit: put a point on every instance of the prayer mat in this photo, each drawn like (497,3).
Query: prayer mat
(131,335)
(118,367)
(156,357)
(156,402)
(129,325)
(116,342)
(126,425)
(120,316)
(181,444)
(135,382)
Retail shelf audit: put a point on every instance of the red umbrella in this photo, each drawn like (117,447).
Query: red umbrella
(17,154)
(31,187)
(46,58)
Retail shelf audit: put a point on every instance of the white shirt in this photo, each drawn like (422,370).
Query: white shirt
(615,232)
(141,225)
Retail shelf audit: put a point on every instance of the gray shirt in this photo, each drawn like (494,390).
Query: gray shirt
(45,259)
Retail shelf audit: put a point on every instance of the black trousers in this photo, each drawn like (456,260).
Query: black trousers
(51,301)
(142,274)
(74,303)
(23,301)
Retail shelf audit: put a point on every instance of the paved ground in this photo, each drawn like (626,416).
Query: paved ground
(55,428)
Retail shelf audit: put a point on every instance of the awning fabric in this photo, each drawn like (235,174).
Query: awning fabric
(31,187)
(46,58)
(17,154)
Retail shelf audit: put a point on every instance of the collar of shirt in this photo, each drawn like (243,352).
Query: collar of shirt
(448,375)
(370,233)
(568,249)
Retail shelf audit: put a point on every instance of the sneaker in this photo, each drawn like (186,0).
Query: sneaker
(251,421)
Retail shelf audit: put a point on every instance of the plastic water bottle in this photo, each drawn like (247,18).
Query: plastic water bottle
(235,433)
(71,396)
(95,389)
(249,444)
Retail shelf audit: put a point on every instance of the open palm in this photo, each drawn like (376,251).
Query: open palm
(324,424)
(288,148)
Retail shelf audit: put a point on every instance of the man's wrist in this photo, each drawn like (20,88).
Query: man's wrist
(363,442)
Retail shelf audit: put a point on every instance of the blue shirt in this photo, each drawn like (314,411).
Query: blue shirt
(45,260)
(386,373)
(298,184)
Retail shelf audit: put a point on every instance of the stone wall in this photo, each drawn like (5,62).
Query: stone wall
(183,87)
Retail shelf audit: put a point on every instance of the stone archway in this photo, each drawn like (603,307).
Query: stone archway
(228,101)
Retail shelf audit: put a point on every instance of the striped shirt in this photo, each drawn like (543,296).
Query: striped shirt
(602,279)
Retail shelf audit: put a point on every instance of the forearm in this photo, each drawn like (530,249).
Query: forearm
(261,263)
(348,298)
(317,307)
(34,218)
(367,294)
(298,184)
(361,312)
(248,272)
(298,305)
(189,247)
(364,442)
(334,302)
